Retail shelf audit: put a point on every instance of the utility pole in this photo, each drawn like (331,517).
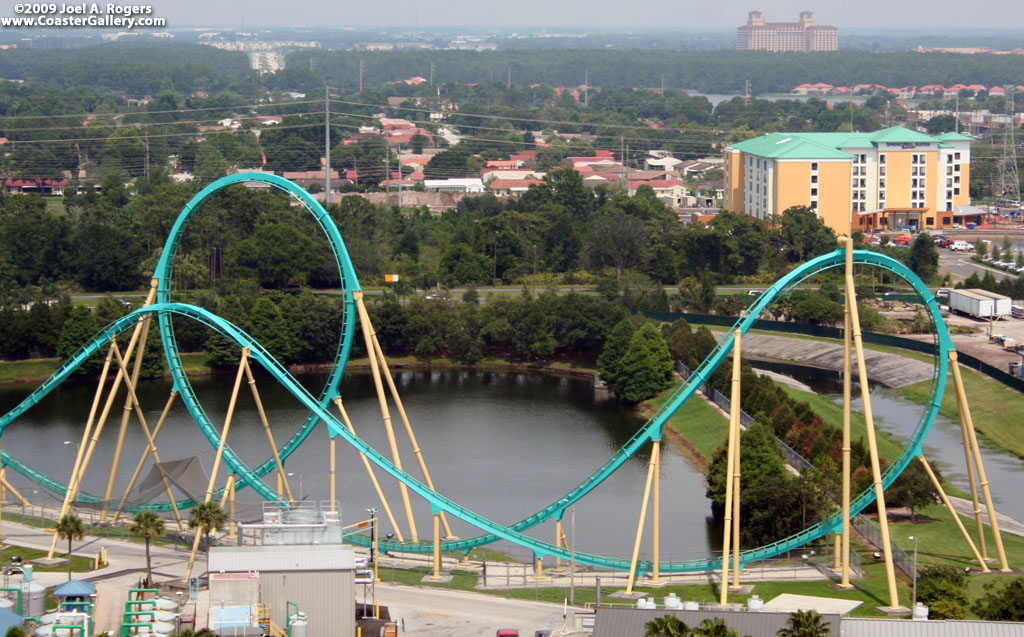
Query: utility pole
(401,182)
(957,123)
(147,154)
(327,145)
(746,92)
(508,84)
(663,85)
(431,73)
(360,76)
(586,88)
(1009,180)
(622,158)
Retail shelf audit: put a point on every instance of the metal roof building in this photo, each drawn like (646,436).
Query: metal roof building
(629,622)
(869,627)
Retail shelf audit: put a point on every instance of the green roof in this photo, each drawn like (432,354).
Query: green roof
(954,137)
(900,135)
(832,145)
(789,146)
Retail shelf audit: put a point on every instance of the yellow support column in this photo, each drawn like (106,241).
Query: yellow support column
(219,454)
(370,472)
(266,429)
(133,397)
(559,537)
(538,572)
(966,411)
(736,499)
(655,449)
(437,546)
(144,325)
(334,486)
(952,511)
(69,494)
(972,480)
(142,462)
(729,466)
(364,321)
(844,551)
(876,471)
(386,373)
(232,532)
(656,518)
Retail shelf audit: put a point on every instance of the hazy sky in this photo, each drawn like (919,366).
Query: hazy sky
(560,14)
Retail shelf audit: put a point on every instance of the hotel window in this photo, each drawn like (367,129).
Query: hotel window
(814,166)
(956,191)
(881,171)
(957,156)
(949,194)
(814,192)
(949,159)
(881,159)
(949,170)
(945,222)
(929,221)
(881,184)
(913,159)
(814,179)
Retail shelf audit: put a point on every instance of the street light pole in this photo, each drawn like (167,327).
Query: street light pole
(913,604)
(572,561)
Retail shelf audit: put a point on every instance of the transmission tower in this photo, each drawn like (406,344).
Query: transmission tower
(1009,179)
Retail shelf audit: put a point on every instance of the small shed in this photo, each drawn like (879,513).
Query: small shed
(8,620)
(75,588)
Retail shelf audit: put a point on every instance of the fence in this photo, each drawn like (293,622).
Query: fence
(806,329)
(873,534)
(791,457)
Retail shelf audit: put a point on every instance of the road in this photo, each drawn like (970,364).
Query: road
(959,264)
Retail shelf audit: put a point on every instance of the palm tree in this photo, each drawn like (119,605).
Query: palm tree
(666,626)
(805,623)
(148,525)
(716,627)
(70,528)
(208,517)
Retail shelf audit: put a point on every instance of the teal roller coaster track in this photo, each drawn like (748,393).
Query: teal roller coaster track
(165,309)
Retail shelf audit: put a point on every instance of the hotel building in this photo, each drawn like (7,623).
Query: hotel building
(889,179)
(804,35)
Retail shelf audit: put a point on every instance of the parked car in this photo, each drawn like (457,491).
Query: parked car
(507,632)
(943,242)
(942,293)
(961,246)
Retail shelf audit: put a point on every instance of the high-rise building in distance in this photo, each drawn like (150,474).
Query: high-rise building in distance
(804,35)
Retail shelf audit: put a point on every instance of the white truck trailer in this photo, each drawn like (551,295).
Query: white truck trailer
(979,303)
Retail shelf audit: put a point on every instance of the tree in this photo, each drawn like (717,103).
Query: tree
(615,347)
(714,627)
(805,623)
(70,527)
(913,489)
(418,141)
(944,590)
(15,631)
(924,256)
(616,239)
(666,626)
(148,525)
(1002,604)
(645,368)
(801,234)
(78,328)
(207,517)
(980,249)
(941,124)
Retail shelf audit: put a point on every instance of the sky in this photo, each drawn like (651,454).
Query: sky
(587,14)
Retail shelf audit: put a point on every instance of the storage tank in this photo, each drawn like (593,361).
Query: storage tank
(755,603)
(299,626)
(920,612)
(8,604)
(33,599)
(691,605)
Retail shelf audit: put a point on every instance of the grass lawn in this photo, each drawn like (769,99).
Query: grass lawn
(19,371)
(699,423)
(997,410)
(78,564)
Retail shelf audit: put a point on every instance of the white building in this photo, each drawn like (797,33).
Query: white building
(468,185)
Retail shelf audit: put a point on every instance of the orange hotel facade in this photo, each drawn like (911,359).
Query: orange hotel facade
(890,179)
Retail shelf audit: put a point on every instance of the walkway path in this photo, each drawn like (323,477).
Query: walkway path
(892,370)
(1006,523)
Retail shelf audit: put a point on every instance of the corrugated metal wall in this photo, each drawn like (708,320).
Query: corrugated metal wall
(328,599)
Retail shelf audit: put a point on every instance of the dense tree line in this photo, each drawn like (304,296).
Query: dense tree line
(718,71)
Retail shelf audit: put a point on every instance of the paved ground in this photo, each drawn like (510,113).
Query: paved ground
(892,370)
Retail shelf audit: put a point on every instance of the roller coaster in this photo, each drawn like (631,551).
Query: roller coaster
(159,305)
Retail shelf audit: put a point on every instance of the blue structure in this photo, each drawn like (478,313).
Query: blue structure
(164,309)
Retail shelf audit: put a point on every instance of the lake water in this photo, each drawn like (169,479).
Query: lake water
(502,444)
